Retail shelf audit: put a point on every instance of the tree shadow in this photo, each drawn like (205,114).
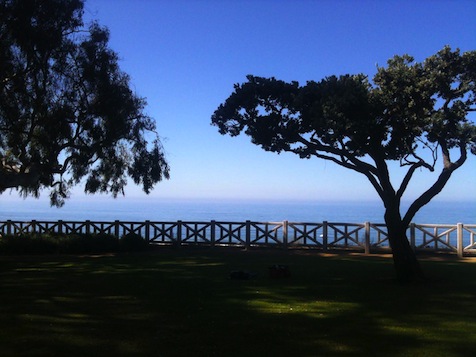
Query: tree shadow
(183,303)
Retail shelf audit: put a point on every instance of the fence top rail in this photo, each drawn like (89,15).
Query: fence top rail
(349,223)
(429,225)
(330,223)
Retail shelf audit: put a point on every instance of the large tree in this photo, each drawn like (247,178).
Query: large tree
(67,112)
(412,113)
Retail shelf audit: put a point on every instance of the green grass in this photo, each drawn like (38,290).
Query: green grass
(182,303)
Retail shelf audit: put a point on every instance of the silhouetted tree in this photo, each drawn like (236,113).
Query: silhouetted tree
(411,113)
(67,112)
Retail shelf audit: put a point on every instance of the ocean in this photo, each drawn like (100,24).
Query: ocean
(205,210)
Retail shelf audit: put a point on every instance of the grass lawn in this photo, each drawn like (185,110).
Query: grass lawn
(182,303)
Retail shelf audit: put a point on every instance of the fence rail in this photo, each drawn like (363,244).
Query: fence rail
(458,238)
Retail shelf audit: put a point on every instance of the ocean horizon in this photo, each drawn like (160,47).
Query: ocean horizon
(238,210)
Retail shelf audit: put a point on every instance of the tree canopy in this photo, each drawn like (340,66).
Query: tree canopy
(412,112)
(67,111)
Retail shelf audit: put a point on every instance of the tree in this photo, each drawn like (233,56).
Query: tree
(67,113)
(411,113)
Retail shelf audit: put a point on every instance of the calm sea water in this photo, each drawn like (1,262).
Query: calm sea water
(130,209)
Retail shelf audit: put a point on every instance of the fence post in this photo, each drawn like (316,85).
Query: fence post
(212,233)
(324,235)
(147,231)
(459,243)
(179,233)
(60,226)
(33,226)
(116,228)
(248,234)
(367,238)
(88,226)
(9,226)
(285,234)
(412,235)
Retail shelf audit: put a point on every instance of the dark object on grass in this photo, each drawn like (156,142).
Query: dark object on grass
(279,271)
(242,275)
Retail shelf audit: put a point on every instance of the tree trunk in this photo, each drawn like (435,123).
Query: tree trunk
(406,264)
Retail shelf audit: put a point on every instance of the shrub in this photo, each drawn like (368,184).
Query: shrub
(54,243)
(133,242)
(103,243)
(92,244)
(28,244)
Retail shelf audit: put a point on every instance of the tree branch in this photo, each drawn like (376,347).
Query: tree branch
(383,177)
(435,189)
(411,171)
(346,160)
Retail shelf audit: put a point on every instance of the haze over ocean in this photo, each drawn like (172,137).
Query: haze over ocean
(130,209)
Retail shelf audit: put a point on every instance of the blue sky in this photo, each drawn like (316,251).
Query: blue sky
(185,56)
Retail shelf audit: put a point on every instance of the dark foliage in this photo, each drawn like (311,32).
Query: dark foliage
(68,114)
(58,244)
(133,242)
(413,113)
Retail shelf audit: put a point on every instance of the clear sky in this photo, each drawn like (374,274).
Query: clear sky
(185,56)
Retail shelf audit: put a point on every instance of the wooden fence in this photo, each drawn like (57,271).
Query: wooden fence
(367,237)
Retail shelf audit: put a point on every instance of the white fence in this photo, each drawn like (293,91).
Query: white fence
(459,238)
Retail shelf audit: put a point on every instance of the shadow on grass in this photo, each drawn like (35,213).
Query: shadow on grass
(181,303)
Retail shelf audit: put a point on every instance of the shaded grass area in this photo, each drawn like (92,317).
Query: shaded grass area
(182,303)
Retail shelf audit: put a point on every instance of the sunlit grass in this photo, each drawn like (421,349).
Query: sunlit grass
(183,303)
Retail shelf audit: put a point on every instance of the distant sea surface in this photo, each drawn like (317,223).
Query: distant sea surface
(170,210)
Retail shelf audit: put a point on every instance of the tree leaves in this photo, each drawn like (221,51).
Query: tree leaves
(390,115)
(66,109)
(409,108)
